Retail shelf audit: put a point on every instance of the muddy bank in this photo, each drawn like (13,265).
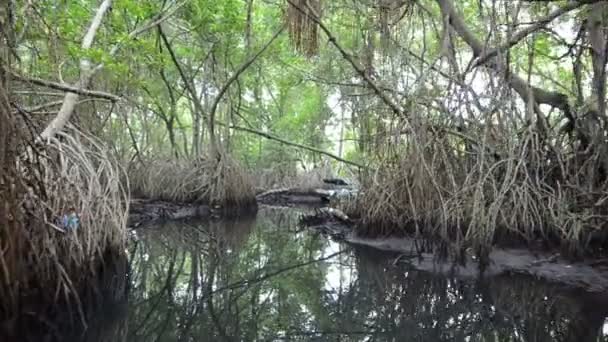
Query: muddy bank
(144,211)
(147,211)
(589,275)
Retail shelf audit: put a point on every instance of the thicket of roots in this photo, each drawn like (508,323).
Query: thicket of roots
(217,181)
(39,259)
(511,189)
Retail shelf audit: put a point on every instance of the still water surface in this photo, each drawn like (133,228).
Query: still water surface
(265,279)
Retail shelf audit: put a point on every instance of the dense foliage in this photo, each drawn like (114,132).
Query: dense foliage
(471,119)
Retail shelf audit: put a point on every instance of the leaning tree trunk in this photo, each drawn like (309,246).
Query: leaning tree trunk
(86,73)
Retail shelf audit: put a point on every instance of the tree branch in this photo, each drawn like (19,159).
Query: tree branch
(290,143)
(150,25)
(86,72)
(377,89)
(521,86)
(70,99)
(383,96)
(231,80)
(518,36)
(64,87)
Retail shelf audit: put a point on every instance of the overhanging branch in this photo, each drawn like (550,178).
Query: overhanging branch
(521,86)
(290,143)
(65,87)
(520,35)
(383,96)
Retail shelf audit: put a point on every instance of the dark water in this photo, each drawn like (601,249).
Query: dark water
(265,279)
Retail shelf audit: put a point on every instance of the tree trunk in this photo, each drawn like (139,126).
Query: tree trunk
(189,84)
(196,129)
(597,38)
(86,72)
(171,132)
(12,239)
(248,25)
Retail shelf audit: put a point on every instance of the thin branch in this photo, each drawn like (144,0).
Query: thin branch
(188,82)
(521,86)
(312,15)
(40,107)
(290,143)
(86,72)
(231,80)
(519,36)
(377,89)
(64,87)
(150,25)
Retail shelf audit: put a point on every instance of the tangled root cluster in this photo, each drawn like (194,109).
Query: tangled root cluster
(511,190)
(220,181)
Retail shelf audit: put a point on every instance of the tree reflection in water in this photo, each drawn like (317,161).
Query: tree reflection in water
(263,280)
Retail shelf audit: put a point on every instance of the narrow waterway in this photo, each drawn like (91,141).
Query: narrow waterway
(266,279)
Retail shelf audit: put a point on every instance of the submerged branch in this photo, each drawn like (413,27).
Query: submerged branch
(249,282)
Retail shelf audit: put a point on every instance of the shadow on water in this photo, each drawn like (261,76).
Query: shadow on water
(98,313)
(265,279)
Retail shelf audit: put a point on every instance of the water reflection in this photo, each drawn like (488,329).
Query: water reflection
(263,279)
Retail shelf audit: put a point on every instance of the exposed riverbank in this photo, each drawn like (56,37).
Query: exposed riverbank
(590,274)
(144,211)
